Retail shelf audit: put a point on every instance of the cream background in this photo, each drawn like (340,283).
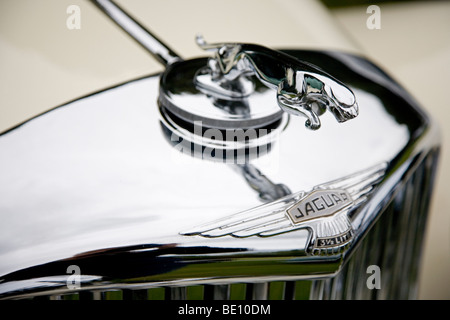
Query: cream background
(44,64)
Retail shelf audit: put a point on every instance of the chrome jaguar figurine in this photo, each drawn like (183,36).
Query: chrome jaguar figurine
(302,88)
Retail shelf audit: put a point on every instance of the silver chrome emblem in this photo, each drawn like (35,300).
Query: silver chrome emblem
(301,88)
(323,211)
(319,204)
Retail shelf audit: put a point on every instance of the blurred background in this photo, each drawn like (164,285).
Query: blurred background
(45,63)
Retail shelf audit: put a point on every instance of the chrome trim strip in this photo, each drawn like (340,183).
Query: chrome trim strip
(138,32)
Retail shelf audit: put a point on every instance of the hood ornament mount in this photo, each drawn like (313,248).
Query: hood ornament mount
(230,89)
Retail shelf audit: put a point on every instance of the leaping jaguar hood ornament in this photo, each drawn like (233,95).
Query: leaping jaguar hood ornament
(301,88)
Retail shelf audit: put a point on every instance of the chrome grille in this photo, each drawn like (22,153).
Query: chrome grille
(278,290)
(394,244)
